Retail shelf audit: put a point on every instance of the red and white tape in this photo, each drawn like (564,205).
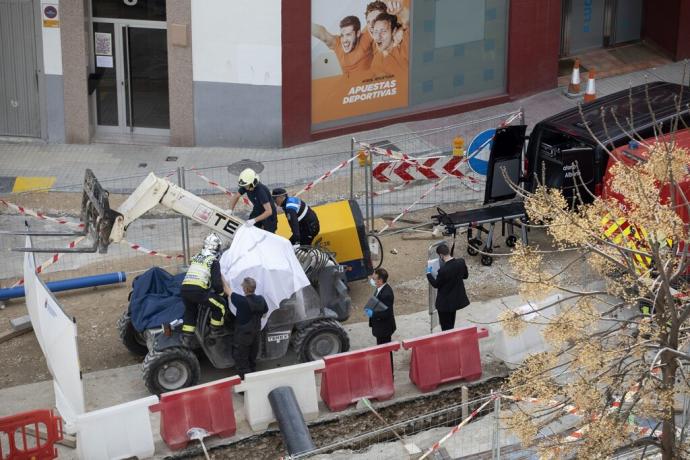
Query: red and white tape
(407,209)
(216,185)
(54,258)
(39,215)
(326,175)
(437,444)
(77,226)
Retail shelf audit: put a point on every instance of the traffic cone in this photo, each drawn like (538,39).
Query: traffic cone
(591,92)
(574,86)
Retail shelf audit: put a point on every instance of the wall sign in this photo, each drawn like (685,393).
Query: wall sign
(50,14)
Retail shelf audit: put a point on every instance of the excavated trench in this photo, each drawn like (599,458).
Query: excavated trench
(270,444)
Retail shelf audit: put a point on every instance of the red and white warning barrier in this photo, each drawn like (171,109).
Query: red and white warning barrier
(449,169)
(216,185)
(407,170)
(325,176)
(437,444)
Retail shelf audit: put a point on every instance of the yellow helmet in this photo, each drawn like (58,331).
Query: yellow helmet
(248,177)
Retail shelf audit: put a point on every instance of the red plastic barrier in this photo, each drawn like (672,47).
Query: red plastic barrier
(22,445)
(358,374)
(445,357)
(207,406)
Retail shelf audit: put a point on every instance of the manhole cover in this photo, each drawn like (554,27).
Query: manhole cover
(386,144)
(239,166)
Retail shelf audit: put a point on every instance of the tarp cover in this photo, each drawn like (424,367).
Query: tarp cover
(155,299)
(267,258)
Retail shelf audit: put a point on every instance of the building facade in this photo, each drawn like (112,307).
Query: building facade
(275,73)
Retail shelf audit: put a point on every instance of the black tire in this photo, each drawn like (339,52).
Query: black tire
(473,245)
(320,338)
(378,261)
(170,369)
(511,240)
(487,260)
(132,339)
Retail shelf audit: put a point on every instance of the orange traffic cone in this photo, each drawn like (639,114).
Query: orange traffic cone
(591,92)
(574,86)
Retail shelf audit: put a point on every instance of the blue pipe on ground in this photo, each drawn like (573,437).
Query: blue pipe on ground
(72,283)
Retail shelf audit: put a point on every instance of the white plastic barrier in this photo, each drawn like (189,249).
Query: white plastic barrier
(514,349)
(56,332)
(257,385)
(116,432)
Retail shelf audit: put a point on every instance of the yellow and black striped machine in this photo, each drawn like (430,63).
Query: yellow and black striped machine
(342,233)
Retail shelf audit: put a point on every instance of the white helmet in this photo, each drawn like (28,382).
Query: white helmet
(248,177)
(211,245)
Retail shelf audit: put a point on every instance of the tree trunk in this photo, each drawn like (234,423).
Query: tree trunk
(668,436)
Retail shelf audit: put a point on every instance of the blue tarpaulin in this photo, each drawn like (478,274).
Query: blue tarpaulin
(155,299)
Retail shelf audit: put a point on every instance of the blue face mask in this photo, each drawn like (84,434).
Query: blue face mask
(372,282)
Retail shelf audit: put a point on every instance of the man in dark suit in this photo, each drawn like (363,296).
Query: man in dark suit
(382,318)
(451,295)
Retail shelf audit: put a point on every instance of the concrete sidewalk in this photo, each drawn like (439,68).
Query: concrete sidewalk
(67,162)
(115,386)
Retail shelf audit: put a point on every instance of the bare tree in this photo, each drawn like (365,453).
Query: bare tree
(618,352)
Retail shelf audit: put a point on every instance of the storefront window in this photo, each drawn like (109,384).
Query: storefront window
(150,10)
(458,50)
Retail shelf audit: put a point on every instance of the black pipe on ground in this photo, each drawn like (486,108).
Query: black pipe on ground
(291,422)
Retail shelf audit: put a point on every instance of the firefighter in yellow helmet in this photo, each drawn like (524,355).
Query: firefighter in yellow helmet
(203,285)
(263,213)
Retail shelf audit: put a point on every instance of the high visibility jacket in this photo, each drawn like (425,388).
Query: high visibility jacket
(199,272)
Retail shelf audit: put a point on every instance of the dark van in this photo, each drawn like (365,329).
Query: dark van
(561,148)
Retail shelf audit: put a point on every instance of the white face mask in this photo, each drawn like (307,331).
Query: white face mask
(372,282)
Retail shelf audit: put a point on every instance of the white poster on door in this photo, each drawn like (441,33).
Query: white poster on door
(103,44)
(104,61)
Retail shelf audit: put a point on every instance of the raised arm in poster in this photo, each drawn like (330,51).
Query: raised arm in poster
(360,57)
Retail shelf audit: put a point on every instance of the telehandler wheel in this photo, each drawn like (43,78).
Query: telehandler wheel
(170,369)
(322,337)
(132,339)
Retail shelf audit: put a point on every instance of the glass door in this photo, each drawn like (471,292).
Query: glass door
(130,78)
(146,74)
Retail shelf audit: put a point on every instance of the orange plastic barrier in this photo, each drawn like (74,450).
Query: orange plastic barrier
(208,406)
(22,445)
(445,357)
(358,374)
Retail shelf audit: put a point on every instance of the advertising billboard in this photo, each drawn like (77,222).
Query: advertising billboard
(360,57)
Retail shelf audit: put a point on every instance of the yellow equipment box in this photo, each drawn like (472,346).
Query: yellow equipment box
(342,233)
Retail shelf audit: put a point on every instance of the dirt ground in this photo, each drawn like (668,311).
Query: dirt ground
(96,310)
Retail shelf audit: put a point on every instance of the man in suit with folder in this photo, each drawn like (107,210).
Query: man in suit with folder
(379,309)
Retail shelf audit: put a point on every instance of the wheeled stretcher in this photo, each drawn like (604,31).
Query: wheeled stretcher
(484,220)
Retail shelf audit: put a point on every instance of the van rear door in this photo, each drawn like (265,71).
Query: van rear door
(568,170)
(506,155)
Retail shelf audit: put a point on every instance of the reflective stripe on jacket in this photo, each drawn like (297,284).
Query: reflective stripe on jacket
(199,272)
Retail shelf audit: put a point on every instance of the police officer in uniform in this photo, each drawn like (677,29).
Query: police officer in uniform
(302,219)
(263,213)
(203,284)
(250,308)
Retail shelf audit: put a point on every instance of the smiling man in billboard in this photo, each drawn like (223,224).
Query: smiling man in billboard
(352,48)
